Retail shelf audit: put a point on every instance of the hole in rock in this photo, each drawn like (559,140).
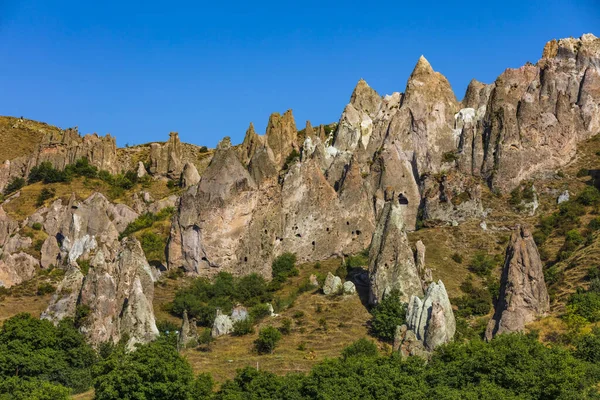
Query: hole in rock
(402,199)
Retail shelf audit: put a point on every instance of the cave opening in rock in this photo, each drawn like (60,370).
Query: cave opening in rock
(402,200)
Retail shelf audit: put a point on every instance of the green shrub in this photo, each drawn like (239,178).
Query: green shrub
(361,348)
(243,327)
(387,315)
(154,246)
(589,196)
(588,347)
(260,312)
(251,290)
(45,288)
(457,258)
(586,305)
(165,326)
(449,157)
(475,301)
(291,159)
(582,172)
(482,264)
(283,267)
(267,340)
(45,172)
(286,326)
(84,266)
(44,195)
(13,186)
(36,226)
(82,167)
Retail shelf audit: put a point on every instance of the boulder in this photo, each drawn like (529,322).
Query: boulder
(313,280)
(332,285)
(16,268)
(420,256)
(523,294)
(189,176)
(239,313)
(141,170)
(564,196)
(50,252)
(64,301)
(223,325)
(349,288)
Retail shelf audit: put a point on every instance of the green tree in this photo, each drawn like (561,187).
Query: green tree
(387,315)
(267,340)
(152,371)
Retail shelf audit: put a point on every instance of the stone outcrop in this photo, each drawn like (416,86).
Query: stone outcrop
(332,285)
(16,268)
(391,262)
(189,176)
(523,294)
(348,288)
(535,115)
(432,319)
(118,288)
(188,334)
(223,325)
(165,158)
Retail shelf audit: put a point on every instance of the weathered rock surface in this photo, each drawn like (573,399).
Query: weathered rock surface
(188,334)
(189,176)
(239,313)
(223,325)
(523,293)
(348,288)
(332,285)
(165,158)
(431,319)
(16,268)
(391,260)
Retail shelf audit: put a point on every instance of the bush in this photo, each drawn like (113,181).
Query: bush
(286,326)
(45,288)
(243,327)
(267,340)
(283,267)
(260,312)
(476,301)
(449,157)
(44,195)
(589,196)
(36,226)
(13,186)
(457,258)
(482,264)
(588,347)
(361,348)
(153,246)
(45,172)
(582,172)
(387,315)
(586,305)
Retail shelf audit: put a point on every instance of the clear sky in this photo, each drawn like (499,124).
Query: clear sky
(138,70)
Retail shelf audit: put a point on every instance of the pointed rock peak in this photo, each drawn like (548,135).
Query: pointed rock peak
(472,95)
(365,98)
(224,144)
(174,136)
(250,130)
(422,67)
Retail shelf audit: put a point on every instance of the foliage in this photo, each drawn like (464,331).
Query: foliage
(260,311)
(152,371)
(18,388)
(588,347)
(573,239)
(45,288)
(512,366)
(35,350)
(449,157)
(13,186)
(585,304)
(36,226)
(475,301)
(44,195)
(147,220)
(293,157)
(457,258)
(203,297)
(46,173)
(286,326)
(153,246)
(267,340)
(482,263)
(361,348)
(389,313)
(243,327)
(283,267)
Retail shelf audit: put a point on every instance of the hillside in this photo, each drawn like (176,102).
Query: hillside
(440,230)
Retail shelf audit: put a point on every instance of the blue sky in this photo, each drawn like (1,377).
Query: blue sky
(138,70)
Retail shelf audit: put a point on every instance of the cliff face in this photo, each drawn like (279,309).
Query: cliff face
(423,145)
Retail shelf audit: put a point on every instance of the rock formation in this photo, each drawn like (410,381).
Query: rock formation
(223,325)
(188,335)
(432,319)
(523,294)
(165,159)
(189,176)
(332,285)
(391,261)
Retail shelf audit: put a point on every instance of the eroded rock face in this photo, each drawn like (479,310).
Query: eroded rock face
(165,158)
(523,293)
(188,334)
(332,285)
(432,319)
(16,268)
(391,262)
(119,286)
(223,325)
(189,176)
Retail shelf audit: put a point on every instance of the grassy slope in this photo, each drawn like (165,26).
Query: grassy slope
(21,137)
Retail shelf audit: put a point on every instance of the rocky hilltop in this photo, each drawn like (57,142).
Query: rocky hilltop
(390,165)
